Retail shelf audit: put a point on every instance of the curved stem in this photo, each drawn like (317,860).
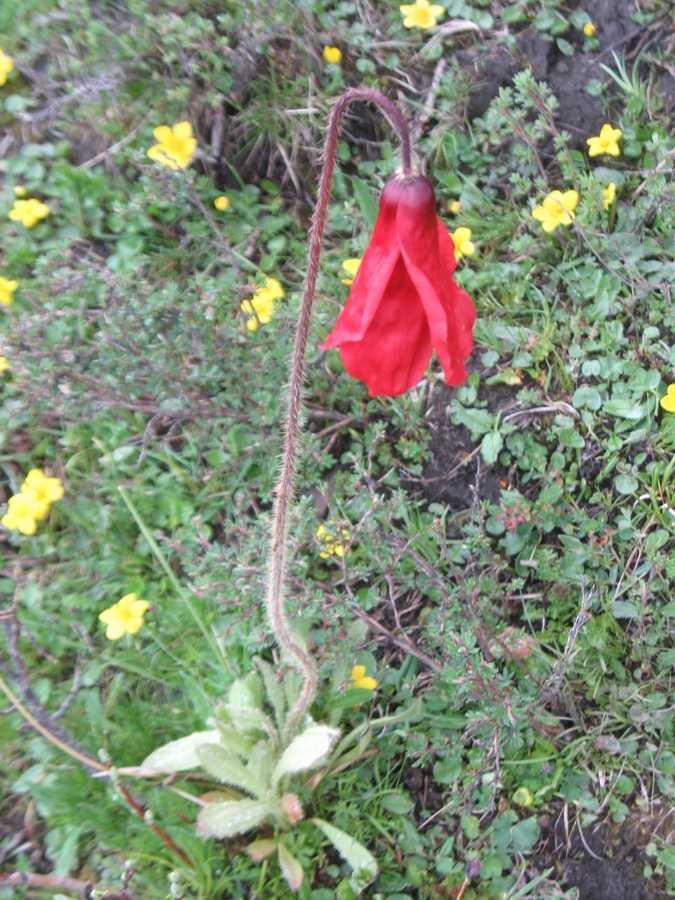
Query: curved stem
(284,492)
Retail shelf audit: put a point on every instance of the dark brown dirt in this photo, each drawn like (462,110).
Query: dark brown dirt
(455,474)
(579,113)
(606,862)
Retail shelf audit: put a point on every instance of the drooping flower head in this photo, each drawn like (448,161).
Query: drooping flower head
(124,616)
(404,302)
(29,212)
(606,142)
(557,209)
(421,14)
(176,145)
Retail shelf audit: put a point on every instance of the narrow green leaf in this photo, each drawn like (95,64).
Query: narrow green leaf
(261,762)
(181,754)
(259,850)
(246,719)
(290,867)
(367,203)
(274,689)
(364,731)
(352,697)
(245,692)
(230,770)
(305,751)
(233,741)
(361,860)
(231,817)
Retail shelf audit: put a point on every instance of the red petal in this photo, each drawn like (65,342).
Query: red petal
(429,255)
(394,352)
(373,275)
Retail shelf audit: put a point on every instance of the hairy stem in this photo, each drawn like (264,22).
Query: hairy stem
(284,492)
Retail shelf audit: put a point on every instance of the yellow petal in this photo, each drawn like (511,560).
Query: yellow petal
(668,401)
(550,225)
(351,266)
(183,130)
(115,630)
(570,200)
(163,134)
(135,625)
(368,683)
(139,607)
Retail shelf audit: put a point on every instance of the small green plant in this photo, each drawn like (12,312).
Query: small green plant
(266,769)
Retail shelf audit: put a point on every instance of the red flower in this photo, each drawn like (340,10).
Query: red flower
(404,302)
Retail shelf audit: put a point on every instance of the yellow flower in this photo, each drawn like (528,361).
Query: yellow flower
(461,238)
(260,307)
(7,289)
(455,207)
(609,195)
(335,545)
(28,212)
(125,616)
(358,679)
(421,14)
(332,55)
(22,511)
(3,363)
(45,489)
(20,190)
(351,267)
(668,402)
(589,29)
(557,209)
(6,66)
(222,203)
(606,142)
(176,145)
